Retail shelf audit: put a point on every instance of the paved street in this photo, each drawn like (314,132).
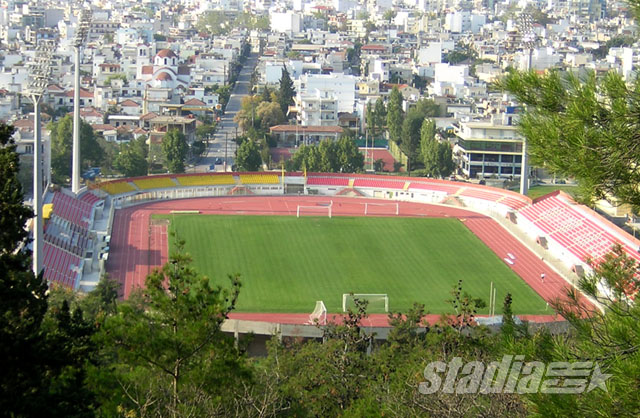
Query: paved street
(223,147)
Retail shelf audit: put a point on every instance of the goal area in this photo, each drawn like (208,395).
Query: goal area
(377,301)
(319,314)
(319,210)
(381,208)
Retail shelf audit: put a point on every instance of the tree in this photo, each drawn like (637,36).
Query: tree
(205,131)
(269,114)
(584,127)
(370,119)
(411,135)
(395,114)
(247,116)
(350,159)
(388,15)
(197,148)
(436,156)
(286,92)
(249,158)
(62,146)
(42,357)
(169,355)
(132,158)
(174,147)
(380,115)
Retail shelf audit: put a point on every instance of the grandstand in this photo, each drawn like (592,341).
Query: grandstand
(206,180)
(328,181)
(379,184)
(116,187)
(72,209)
(61,267)
(68,241)
(252,178)
(154,183)
(575,228)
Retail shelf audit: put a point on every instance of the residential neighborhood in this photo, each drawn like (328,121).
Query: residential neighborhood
(147,68)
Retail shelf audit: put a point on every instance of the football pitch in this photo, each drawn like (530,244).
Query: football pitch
(286,264)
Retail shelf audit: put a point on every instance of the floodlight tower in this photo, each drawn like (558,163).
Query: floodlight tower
(40,73)
(528,41)
(84,22)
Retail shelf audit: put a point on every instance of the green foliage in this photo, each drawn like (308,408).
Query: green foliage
(610,337)
(169,357)
(463,52)
(247,115)
(378,165)
(269,114)
(197,148)
(341,156)
(132,158)
(411,135)
(206,130)
(286,92)
(174,147)
(112,77)
(436,156)
(216,22)
(91,153)
(582,127)
(395,114)
(249,158)
(42,356)
(615,42)
(379,115)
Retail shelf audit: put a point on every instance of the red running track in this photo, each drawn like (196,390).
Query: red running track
(138,247)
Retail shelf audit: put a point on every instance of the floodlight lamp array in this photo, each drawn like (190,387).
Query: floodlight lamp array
(82,31)
(40,68)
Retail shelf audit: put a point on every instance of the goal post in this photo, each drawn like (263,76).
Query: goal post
(391,208)
(313,210)
(319,314)
(376,300)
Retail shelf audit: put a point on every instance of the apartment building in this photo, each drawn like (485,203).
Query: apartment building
(488,149)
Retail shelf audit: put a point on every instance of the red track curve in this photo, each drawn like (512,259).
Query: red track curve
(137,247)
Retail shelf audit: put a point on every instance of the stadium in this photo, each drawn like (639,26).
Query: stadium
(306,244)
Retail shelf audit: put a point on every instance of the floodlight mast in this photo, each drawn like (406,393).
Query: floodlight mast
(40,73)
(528,42)
(84,23)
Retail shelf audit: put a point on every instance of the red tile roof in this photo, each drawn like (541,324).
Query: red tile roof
(164,76)
(129,103)
(166,53)
(195,102)
(83,93)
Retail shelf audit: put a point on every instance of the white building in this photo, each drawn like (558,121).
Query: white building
(341,87)
(317,109)
(287,22)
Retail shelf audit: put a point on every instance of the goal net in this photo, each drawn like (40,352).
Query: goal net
(381,208)
(378,302)
(314,210)
(319,314)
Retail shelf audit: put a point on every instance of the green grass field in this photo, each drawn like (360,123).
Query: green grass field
(286,263)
